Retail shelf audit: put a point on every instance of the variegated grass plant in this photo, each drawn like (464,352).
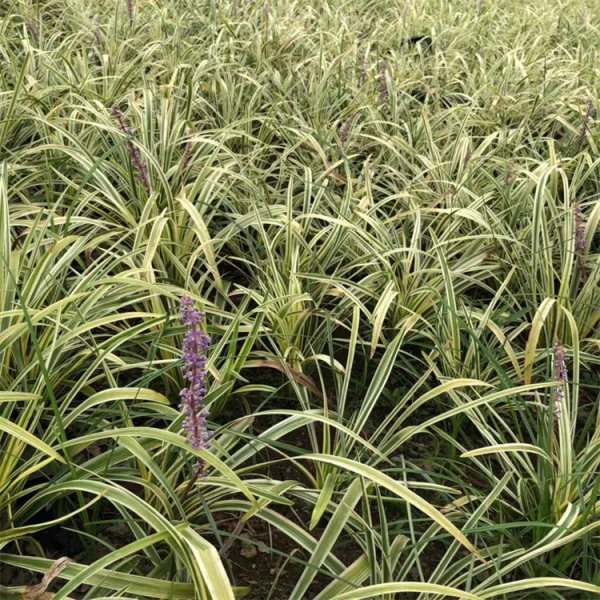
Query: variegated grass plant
(385,278)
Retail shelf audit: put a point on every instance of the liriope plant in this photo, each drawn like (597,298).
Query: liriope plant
(390,268)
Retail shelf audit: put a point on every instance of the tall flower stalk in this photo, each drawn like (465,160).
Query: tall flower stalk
(195,347)
(136,158)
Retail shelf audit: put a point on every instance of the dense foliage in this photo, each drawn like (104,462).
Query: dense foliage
(387,211)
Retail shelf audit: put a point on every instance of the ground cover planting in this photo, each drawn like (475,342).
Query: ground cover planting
(299,300)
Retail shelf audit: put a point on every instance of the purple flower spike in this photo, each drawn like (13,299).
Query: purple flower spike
(586,122)
(579,228)
(136,157)
(346,130)
(510,167)
(195,347)
(363,69)
(561,376)
(580,244)
(33,31)
(187,152)
(383,88)
(129,5)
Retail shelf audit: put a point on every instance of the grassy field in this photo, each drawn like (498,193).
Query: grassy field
(388,212)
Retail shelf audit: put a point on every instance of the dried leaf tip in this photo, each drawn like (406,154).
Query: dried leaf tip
(38,592)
